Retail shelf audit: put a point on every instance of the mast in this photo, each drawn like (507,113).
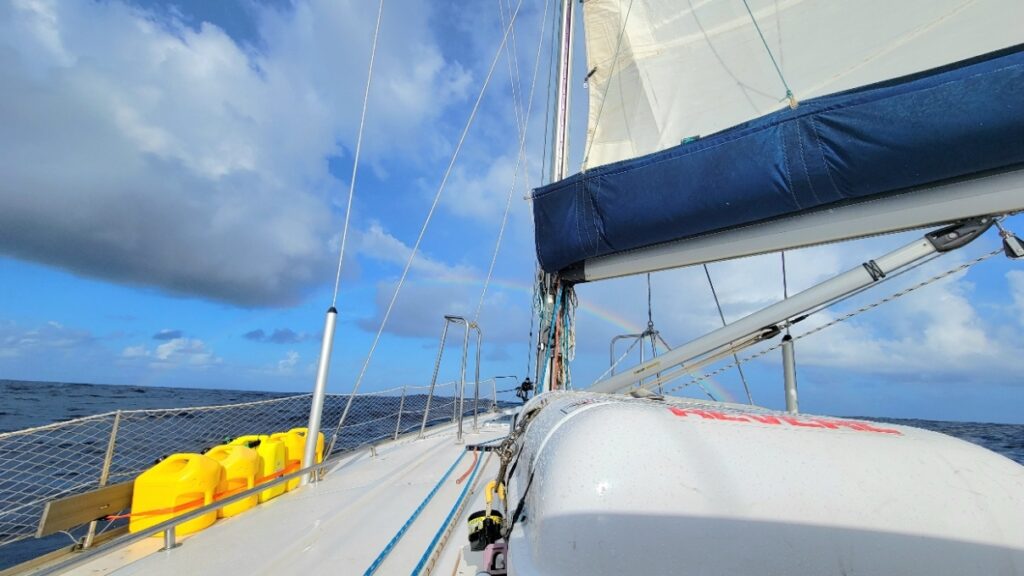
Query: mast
(560,142)
(551,369)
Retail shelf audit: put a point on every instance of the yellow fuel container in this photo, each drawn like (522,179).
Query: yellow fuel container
(177,484)
(272,460)
(239,467)
(319,442)
(294,444)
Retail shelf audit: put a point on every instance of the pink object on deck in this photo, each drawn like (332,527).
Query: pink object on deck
(495,560)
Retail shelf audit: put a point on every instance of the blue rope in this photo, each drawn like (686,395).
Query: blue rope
(789,93)
(451,513)
(401,531)
(551,339)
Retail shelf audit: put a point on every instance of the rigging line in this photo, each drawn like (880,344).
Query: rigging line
(604,95)
(650,314)
(426,222)
(672,373)
(714,293)
(847,316)
(513,77)
(862,289)
(520,158)
(355,159)
(512,48)
(619,360)
(525,118)
(785,282)
(789,93)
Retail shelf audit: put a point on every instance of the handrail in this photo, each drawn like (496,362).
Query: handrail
(167,526)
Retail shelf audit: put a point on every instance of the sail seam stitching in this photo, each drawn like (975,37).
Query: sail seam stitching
(824,161)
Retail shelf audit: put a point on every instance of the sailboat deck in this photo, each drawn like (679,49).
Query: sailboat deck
(347,521)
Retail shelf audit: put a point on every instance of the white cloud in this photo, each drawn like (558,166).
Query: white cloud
(435,288)
(1015,279)
(51,337)
(936,332)
(179,352)
(139,351)
(288,363)
(379,244)
(141,150)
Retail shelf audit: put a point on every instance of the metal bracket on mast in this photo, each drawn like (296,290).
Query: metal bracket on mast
(766,323)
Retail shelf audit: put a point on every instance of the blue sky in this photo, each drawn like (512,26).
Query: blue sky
(174,179)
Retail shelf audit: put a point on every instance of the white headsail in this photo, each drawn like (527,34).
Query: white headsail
(662,71)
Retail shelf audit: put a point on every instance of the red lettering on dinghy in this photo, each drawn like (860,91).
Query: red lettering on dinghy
(781,420)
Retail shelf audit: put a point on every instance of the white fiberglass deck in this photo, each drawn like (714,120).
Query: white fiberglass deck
(344,522)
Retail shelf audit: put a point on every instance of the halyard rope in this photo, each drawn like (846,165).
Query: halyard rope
(789,93)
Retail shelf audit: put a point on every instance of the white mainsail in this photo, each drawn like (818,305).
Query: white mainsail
(665,70)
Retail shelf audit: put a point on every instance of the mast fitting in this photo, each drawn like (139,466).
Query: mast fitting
(959,234)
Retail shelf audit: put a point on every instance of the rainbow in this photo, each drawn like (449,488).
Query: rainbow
(611,317)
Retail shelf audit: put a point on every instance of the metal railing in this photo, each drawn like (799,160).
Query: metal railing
(448,320)
(168,526)
(45,463)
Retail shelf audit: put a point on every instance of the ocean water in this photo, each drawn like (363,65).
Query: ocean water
(29,404)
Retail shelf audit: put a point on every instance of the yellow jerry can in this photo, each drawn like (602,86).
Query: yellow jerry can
(272,461)
(239,467)
(319,442)
(177,484)
(294,444)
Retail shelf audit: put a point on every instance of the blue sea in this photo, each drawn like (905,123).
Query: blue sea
(28,404)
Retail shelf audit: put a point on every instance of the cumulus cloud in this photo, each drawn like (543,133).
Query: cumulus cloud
(142,150)
(377,243)
(176,352)
(936,333)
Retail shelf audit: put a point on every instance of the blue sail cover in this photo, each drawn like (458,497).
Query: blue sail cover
(954,122)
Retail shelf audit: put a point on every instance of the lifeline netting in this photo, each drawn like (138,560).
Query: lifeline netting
(65,458)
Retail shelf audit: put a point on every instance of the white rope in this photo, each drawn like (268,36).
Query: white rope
(520,158)
(430,215)
(355,159)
